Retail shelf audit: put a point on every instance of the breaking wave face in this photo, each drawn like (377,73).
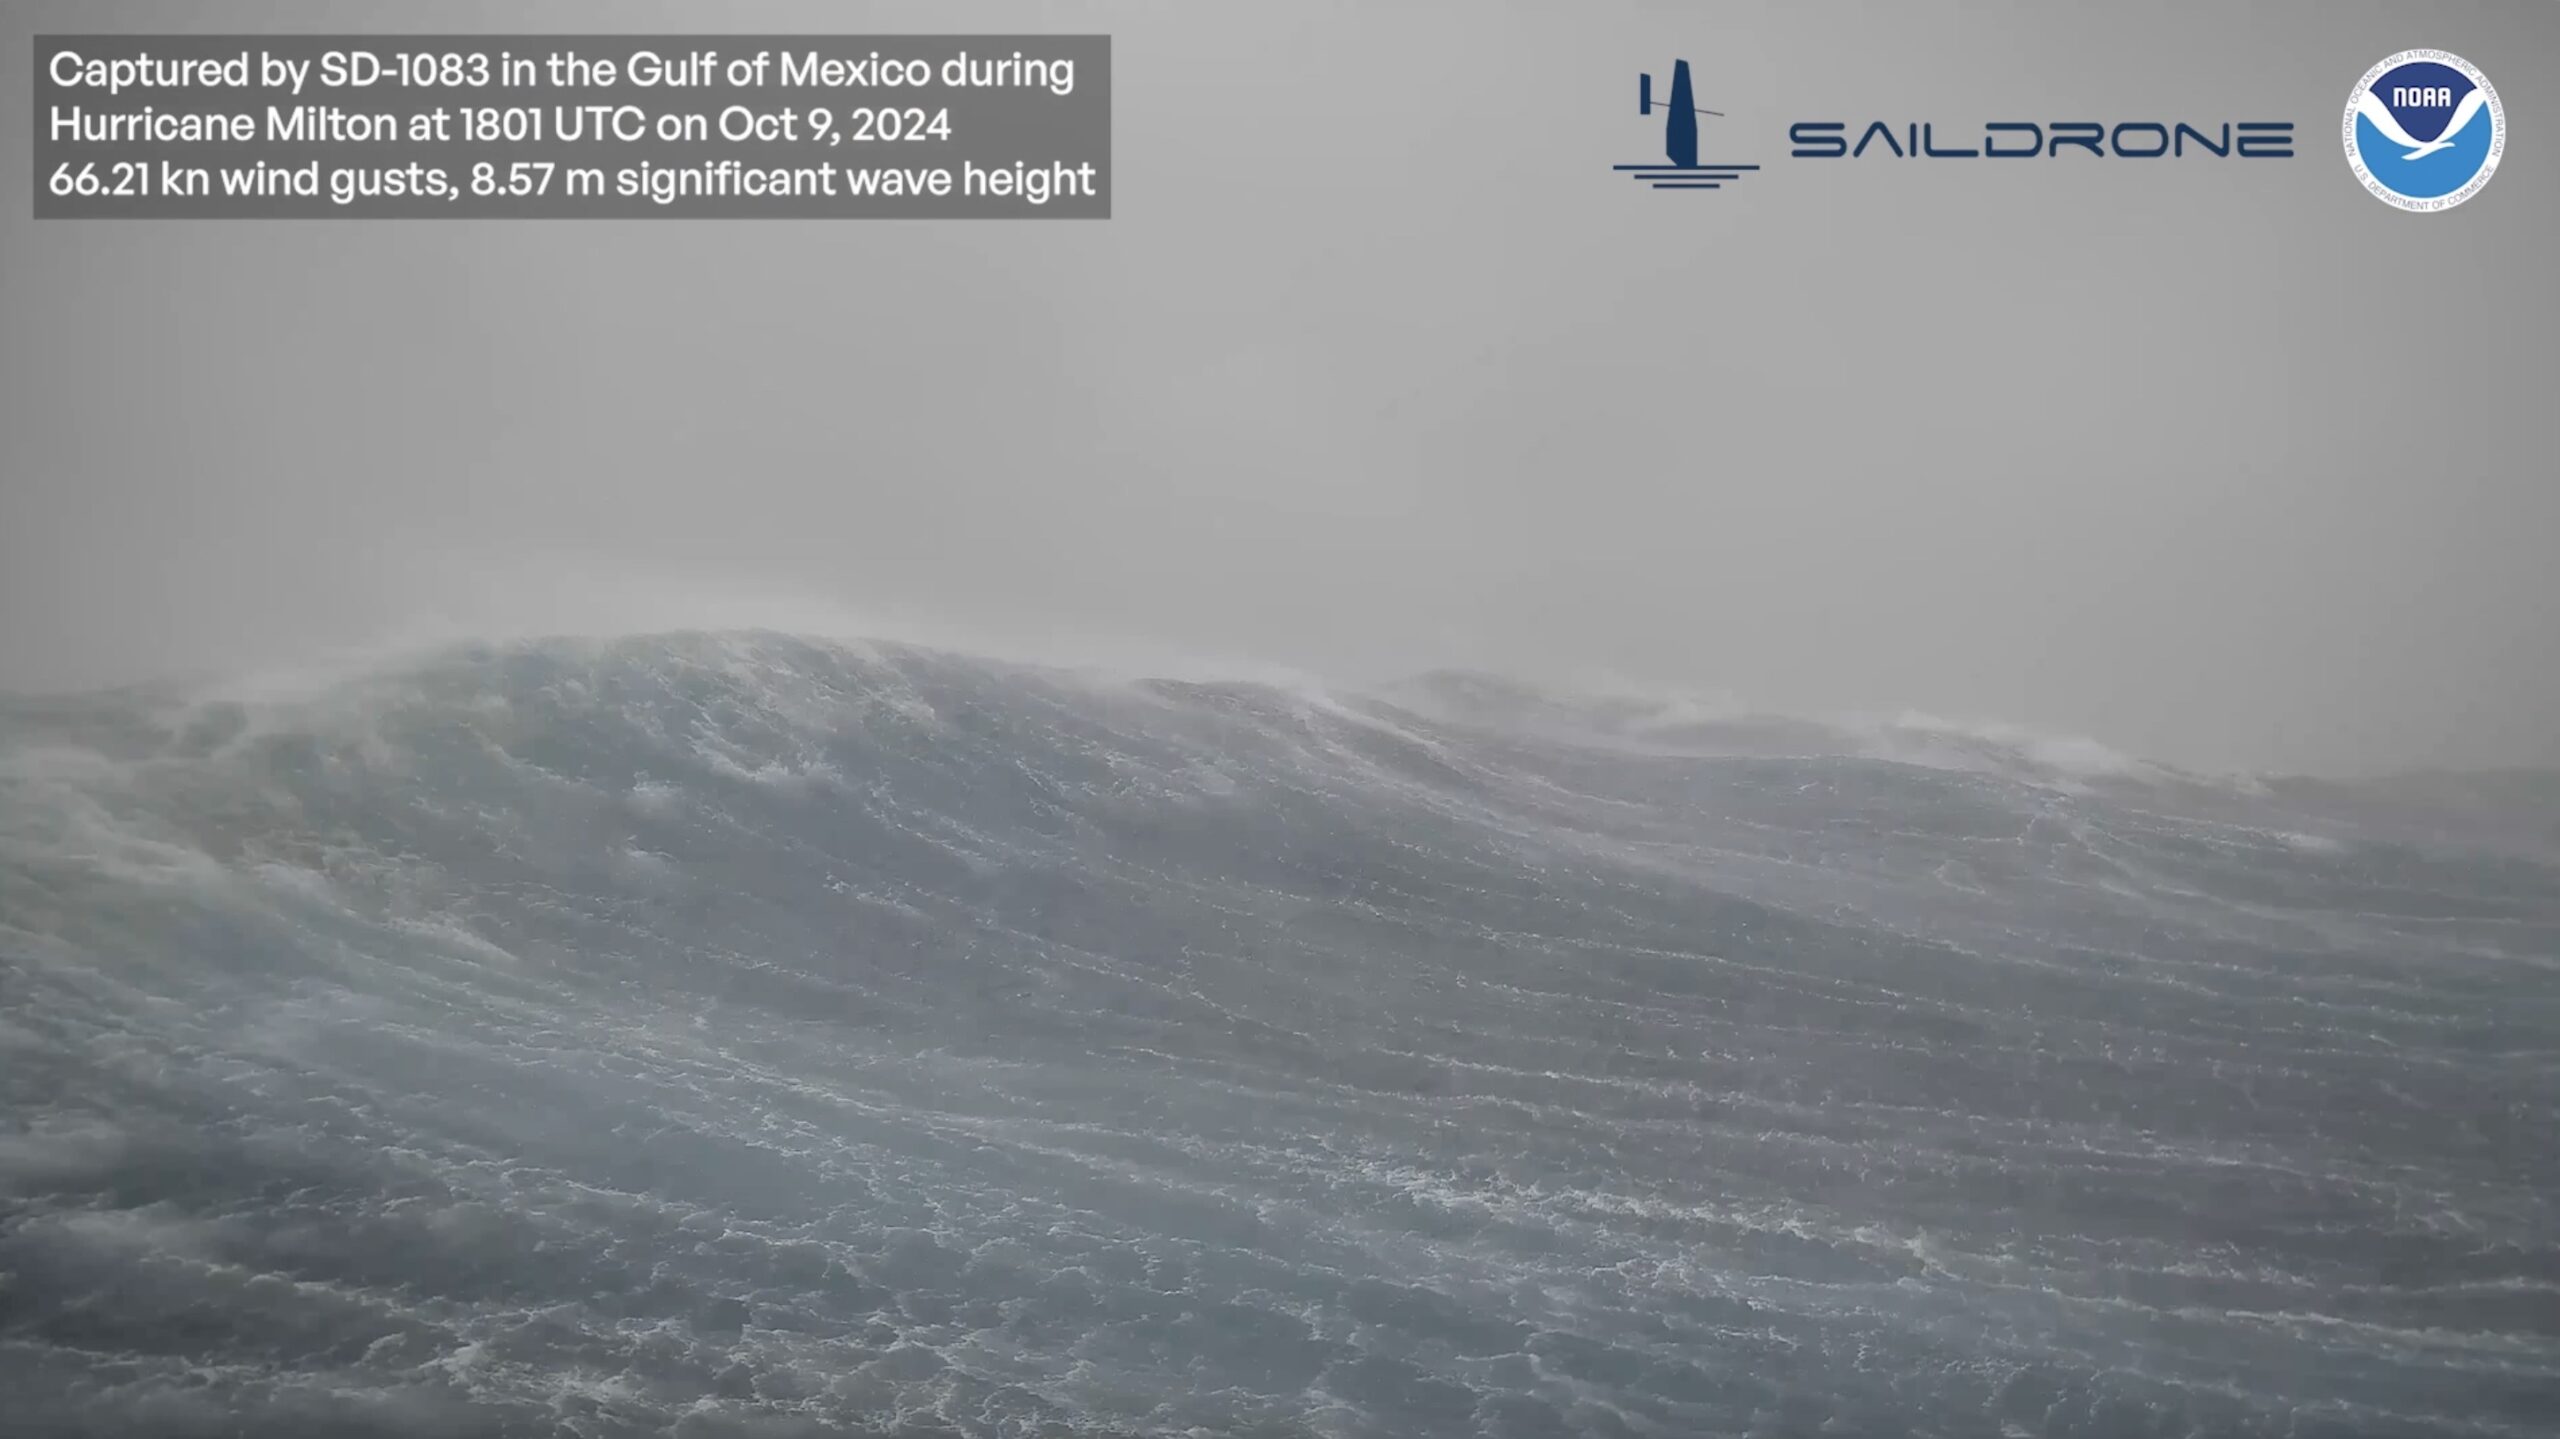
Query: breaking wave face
(740,1035)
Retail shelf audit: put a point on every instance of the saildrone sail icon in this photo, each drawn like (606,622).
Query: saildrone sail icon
(1680,112)
(1680,127)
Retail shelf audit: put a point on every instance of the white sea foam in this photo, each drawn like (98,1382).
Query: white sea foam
(734,1029)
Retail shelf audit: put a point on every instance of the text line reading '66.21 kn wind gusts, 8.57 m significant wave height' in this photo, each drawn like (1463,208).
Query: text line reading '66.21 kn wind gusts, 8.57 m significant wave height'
(573,127)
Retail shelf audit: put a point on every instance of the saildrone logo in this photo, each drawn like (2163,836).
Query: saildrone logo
(1680,114)
(2424,130)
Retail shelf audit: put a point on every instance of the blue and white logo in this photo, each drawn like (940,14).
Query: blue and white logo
(2424,130)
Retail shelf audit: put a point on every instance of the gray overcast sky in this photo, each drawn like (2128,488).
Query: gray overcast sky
(1377,368)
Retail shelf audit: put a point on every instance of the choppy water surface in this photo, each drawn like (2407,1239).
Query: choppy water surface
(735,1035)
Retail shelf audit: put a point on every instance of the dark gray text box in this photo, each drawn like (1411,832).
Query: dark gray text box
(499,127)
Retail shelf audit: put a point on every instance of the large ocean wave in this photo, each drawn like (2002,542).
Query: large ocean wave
(734,1034)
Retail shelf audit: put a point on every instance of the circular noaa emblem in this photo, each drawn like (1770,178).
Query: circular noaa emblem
(2424,131)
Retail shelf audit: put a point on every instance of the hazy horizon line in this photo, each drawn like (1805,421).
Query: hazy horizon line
(1135,661)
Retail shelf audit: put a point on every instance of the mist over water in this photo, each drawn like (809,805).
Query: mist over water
(734,1034)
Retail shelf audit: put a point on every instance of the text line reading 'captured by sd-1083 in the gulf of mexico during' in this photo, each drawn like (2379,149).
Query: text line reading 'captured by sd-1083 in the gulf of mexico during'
(573,127)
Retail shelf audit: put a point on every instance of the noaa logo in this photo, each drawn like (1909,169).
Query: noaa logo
(2424,130)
